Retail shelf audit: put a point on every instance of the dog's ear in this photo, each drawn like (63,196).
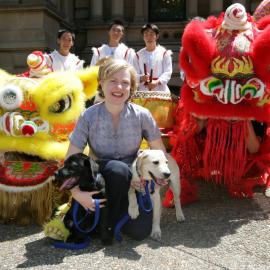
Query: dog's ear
(86,162)
(73,158)
(68,160)
(141,156)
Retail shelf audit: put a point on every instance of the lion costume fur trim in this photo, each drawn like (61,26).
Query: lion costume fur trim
(23,208)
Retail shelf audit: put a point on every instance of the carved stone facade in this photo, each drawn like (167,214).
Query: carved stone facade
(27,25)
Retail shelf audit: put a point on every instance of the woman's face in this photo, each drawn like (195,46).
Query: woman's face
(116,88)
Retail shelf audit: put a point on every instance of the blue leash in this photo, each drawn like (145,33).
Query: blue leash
(142,200)
(72,246)
(119,225)
(77,223)
(146,199)
(77,246)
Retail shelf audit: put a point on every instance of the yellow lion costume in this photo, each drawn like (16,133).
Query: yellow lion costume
(36,118)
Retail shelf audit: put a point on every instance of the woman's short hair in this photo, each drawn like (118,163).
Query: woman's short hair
(150,26)
(110,67)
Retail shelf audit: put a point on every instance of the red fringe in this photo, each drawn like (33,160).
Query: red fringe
(225,151)
(185,147)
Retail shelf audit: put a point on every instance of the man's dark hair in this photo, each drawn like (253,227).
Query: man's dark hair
(116,22)
(150,26)
(61,32)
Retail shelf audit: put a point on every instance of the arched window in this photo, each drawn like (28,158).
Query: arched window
(167,10)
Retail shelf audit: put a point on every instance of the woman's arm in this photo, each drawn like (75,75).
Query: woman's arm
(72,149)
(157,144)
(82,197)
(201,123)
(253,143)
(85,198)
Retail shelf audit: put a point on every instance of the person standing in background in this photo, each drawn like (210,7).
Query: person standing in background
(62,59)
(114,48)
(153,63)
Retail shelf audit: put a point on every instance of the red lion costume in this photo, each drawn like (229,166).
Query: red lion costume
(226,93)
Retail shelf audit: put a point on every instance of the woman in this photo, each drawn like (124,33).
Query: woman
(114,130)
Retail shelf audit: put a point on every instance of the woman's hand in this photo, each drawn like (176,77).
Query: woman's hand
(85,198)
(138,185)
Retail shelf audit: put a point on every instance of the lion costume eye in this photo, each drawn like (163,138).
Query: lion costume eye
(11,97)
(62,105)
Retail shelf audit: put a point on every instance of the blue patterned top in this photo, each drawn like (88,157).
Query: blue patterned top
(95,128)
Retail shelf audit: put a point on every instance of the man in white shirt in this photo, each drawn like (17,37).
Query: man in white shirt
(114,48)
(62,59)
(153,63)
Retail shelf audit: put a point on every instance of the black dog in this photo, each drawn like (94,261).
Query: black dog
(77,171)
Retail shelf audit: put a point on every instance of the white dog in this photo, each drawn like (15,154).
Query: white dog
(153,164)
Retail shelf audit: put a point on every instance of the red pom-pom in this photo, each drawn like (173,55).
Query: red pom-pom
(28,130)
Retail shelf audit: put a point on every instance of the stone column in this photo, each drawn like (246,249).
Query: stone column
(216,6)
(192,8)
(139,6)
(117,9)
(68,8)
(97,10)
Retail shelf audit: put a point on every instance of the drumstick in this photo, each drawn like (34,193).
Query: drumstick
(151,75)
(144,67)
(145,72)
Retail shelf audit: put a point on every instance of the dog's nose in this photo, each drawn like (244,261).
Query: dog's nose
(166,175)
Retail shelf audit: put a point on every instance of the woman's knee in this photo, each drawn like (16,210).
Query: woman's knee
(117,174)
(116,169)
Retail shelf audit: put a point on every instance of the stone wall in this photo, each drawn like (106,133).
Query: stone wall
(24,28)
(27,25)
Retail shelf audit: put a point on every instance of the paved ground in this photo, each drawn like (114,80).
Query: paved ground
(219,233)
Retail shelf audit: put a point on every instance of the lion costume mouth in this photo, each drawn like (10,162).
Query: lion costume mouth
(16,156)
(36,118)
(23,172)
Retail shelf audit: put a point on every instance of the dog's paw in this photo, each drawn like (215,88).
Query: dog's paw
(156,233)
(133,212)
(180,217)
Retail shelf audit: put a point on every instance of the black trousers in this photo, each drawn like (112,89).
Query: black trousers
(117,175)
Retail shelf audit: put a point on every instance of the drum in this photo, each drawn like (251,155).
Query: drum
(162,106)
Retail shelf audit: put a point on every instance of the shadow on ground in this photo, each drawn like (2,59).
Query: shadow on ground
(11,232)
(216,215)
